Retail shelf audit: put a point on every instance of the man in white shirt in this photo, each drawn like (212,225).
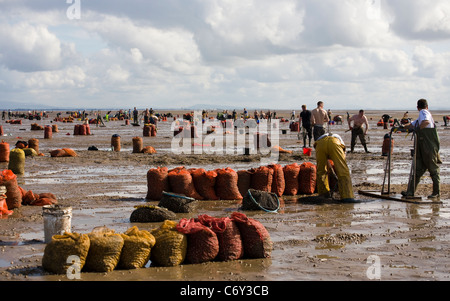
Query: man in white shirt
(427,150)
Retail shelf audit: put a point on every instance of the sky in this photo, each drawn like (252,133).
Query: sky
(268,54)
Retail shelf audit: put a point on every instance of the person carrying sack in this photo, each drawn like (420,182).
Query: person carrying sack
(427,150)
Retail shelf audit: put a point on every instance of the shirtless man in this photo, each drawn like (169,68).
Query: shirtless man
(357,130)
(319,117)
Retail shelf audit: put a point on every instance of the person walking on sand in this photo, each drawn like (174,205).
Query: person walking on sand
(427,150)
(305,122)
(357,130)
(319,117)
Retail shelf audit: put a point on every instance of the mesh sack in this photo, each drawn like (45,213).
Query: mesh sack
(104,251)
(260,200)
(180,181)
(17,161)
(226,184)
(202,242)
(228,235)
(157,183)
(291,173)
(262,178)
(151,214)
(13,191)
(204,182)
(136,248)
(170,247)
(177,203)
(61,247)
(255,237)
(244,180)
(307,178)
(278,183)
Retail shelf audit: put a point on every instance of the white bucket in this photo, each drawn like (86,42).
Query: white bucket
(57,220)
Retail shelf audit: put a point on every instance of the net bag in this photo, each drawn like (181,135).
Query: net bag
(13,191)
(307,178)
(291,173)
(255,237)
(137,145)
(260,200)
(228,235)
(180,181)
(202,242)
(226,184)
(151,214)
(170,247)
(17,161)
(262,179)
(104,250)
(157,183)
(278,183)
(136,248)
(205,182)
(4,151)
(61,247)
(177,203)
(244,180)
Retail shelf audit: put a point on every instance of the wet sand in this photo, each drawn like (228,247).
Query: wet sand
(312,240)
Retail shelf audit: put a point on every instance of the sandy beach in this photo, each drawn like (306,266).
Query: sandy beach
(312,241)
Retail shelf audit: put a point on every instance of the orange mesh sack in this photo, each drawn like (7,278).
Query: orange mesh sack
(291,173)
(69,152)
(262,179)
(244,180)
(13,191)
(307,178)
(278,183)
(4,151)
(202,242)
(57,153)
(255,237)
(157,183)
(180,181)
(226,184)
(228,235)
(205,182)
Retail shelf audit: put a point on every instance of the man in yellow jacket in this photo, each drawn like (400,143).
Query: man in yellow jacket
(332,147)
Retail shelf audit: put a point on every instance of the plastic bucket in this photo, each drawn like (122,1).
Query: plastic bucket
(307,151)
(57,220)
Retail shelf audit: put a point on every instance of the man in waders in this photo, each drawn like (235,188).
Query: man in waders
(426,151)
(332,147)
(357,130)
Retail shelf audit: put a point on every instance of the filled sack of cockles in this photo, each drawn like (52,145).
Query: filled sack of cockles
(291,173)
(64,152)
(37,199)
(262,178)
(157,183)
(278,182)
(255,237)
(228,235)
(244,180)
(205,182)
(104,250)
(202,242)
(260,200)
(178,203)
(136,248)
(227,184)
(17,161)
(151,214)
(180,181)
(13,191)
(61,247)
(307,178)
(170,247)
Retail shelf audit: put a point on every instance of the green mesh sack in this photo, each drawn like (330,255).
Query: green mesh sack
(58,250)
(136,248)
(104,251)
(170,247)
(17,161)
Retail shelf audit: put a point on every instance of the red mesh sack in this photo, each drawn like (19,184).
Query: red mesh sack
(202,242)
(180,181)
(262,179)
(307,178)
(278,183)
(244,180)
(157,182)
(230,242)
(205,182)
(291,173)
(226,184)
(4,151)
(13,192)
(255,237)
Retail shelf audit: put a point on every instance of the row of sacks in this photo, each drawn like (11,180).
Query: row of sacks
(227,184)
(17,196)
(188,241)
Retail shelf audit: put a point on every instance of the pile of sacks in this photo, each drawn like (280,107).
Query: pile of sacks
(227,184)
(16,196)
(188,241)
